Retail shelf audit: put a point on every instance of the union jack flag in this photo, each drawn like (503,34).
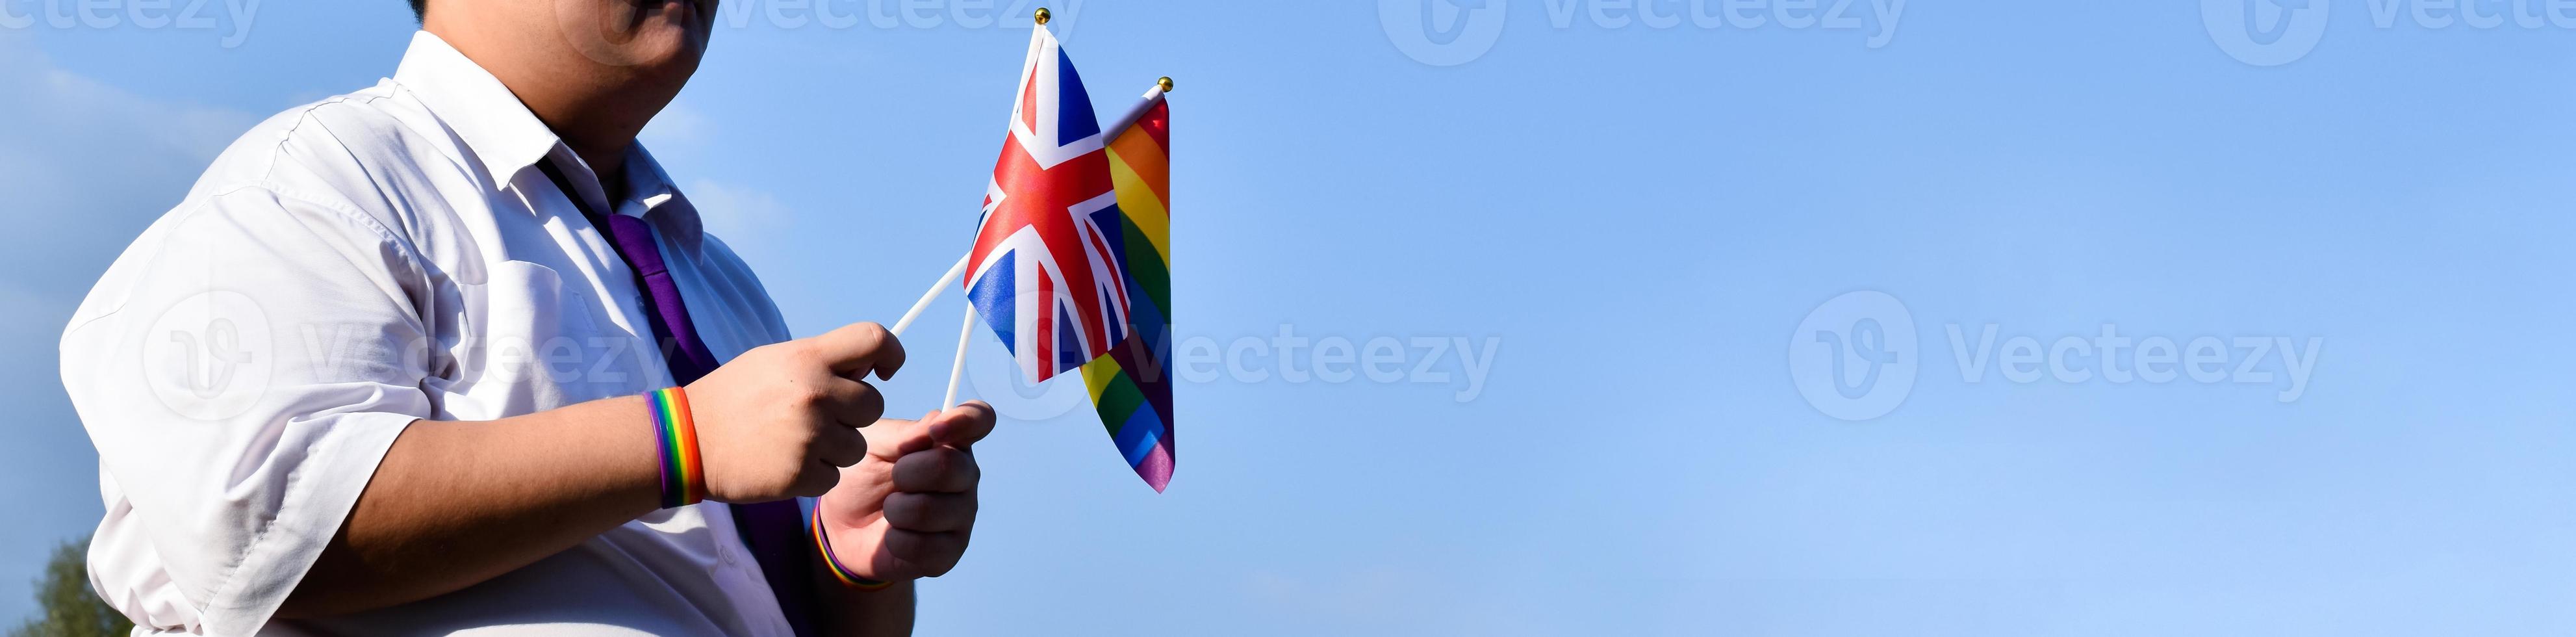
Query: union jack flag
(1045,274)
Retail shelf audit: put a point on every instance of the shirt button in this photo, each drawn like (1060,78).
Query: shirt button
(724,551)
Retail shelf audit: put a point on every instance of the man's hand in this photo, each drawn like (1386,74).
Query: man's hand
(781,420)
(906,511)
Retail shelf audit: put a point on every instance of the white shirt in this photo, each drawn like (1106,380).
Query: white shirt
(344,269)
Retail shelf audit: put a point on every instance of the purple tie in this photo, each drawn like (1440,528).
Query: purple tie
(773,531)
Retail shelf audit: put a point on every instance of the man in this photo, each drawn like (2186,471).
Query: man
(380,374)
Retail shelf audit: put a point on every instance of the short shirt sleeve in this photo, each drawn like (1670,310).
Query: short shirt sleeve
(241,370)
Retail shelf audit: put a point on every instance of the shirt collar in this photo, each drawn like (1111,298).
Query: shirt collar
(649,189)
(497,130)
(501,133)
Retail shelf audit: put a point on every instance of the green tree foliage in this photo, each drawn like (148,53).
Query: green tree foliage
(68,607)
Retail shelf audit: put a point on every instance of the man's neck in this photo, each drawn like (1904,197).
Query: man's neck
(597,114)
(609,164)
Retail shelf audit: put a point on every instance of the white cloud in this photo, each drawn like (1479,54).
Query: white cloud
(747,220)
(737,214)
(680,126)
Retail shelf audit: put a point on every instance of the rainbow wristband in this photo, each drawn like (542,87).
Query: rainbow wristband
(839,572)
(684,477)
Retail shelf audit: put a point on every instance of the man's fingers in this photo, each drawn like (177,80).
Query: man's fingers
(963,425)
(840,446)
(931,512)
(923,554)
(937,470)
(853,403)
(858,349)
(891,438)
(931,454)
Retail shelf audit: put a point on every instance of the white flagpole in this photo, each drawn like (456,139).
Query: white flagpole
(945,280)
(1152,95)
(959,270)
(957,369)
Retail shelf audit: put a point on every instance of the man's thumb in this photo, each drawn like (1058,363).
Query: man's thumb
(892,439)
(857,349)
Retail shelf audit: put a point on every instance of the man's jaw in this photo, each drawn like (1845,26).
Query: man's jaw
(689,12)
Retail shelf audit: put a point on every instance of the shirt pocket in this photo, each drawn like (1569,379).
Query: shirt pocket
(531,343)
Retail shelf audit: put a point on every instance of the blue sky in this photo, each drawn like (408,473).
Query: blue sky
(1644,223)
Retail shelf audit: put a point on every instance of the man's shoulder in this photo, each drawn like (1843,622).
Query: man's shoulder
(356,150)
(350,165)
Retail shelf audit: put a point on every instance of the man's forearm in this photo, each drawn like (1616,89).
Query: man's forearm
(456,503)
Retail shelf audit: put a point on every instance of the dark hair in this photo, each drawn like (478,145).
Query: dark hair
(419,9)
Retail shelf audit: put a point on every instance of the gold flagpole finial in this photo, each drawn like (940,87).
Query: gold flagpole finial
(1166,83)
(1044,16)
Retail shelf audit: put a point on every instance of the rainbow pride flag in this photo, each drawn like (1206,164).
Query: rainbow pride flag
(1131,386)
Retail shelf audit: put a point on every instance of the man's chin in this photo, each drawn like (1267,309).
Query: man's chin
(687,21)
(673,31)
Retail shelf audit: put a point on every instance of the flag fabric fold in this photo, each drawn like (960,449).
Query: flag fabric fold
(1131,385)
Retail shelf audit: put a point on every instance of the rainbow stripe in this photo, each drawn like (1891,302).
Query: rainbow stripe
(833,562)
(684,478)
(1131,386)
